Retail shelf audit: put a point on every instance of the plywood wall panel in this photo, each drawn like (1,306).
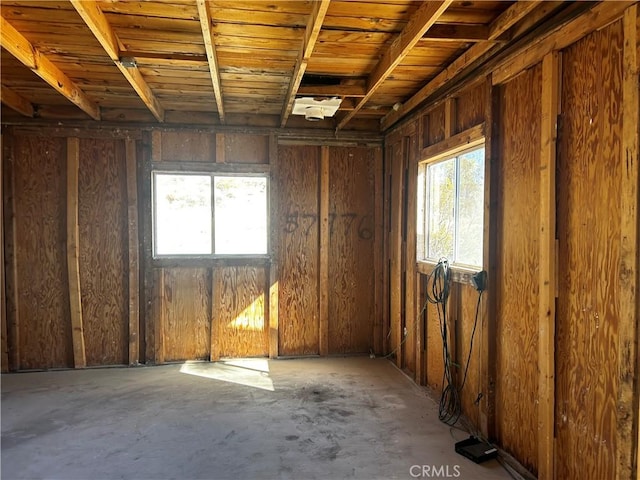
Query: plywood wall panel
(517,316)
(351,253)
(239,309)
(436,125)
(470,108)
(434,354)
(44,325)
(473,386)
(243,148)
(186,314)
(183,146)
(589,179)
(102,217)
(297,224)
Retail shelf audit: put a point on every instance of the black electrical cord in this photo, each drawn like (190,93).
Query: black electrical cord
(438,290)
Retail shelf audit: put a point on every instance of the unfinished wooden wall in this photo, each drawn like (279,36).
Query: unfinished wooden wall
(208,309)
(38,328)
(297,223)
(328,225)
(53,181)
(224,308)
(517,271)
(104,250)
(553,373)
(351,265)
(83,288)
(240,303)
(590,175)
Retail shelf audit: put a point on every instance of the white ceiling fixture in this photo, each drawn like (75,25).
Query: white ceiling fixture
(315,109)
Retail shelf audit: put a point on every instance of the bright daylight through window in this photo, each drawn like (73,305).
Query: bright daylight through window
(209,214)
(450,209)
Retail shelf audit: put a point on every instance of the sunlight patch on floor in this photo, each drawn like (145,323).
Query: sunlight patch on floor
(248,372)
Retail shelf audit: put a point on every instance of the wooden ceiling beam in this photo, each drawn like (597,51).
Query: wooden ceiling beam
(510,17)
(420,22)
(332,90)
(314,24)
(446,32)
(16,44)
(16,101)
(97,22)
(499,26)
(212,57)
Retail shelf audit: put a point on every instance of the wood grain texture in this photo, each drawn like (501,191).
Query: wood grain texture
(183,146)
(589,232)
(187,314)
(629,281)
(547,270)
(434,353)
(379,249)
(73,254)
(239,310)
(386,247)
(396,300)
(325,236)
(44,326)
(435,131)
(134,252)
(243,148)
(351,252)
(470,105)
(274,243)
(104,250)
(298,250)
(517,315)
(468,298)
(9,250)
(4,359)
(410,255)
(158,316)
(490,255)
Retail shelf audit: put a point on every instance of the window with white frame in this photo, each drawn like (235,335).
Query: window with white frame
(210,214)
(451,208)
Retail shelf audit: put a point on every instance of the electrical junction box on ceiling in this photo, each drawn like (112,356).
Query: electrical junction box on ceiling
(316,109)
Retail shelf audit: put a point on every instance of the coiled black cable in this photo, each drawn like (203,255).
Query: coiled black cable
(438,290)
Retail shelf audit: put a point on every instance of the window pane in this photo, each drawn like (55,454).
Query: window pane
(470,208)
(182,214)
(441,187)
(240,215)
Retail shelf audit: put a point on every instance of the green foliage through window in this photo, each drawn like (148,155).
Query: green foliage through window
(451,209)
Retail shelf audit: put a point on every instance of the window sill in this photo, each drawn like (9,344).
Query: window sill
(459,273)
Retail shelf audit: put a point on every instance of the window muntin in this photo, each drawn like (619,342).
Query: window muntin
(451,209)
(210,214)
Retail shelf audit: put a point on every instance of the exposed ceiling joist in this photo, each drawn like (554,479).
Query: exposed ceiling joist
(101,29)
(16,44)
(420,22)
(16,101)
(314,24)
(500,25)
(510,17)
(457,33)
(212,57)
(332,90)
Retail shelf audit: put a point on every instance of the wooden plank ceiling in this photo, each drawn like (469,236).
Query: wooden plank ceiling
(241,62)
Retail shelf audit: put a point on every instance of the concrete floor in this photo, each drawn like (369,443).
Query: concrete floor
(247,419)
